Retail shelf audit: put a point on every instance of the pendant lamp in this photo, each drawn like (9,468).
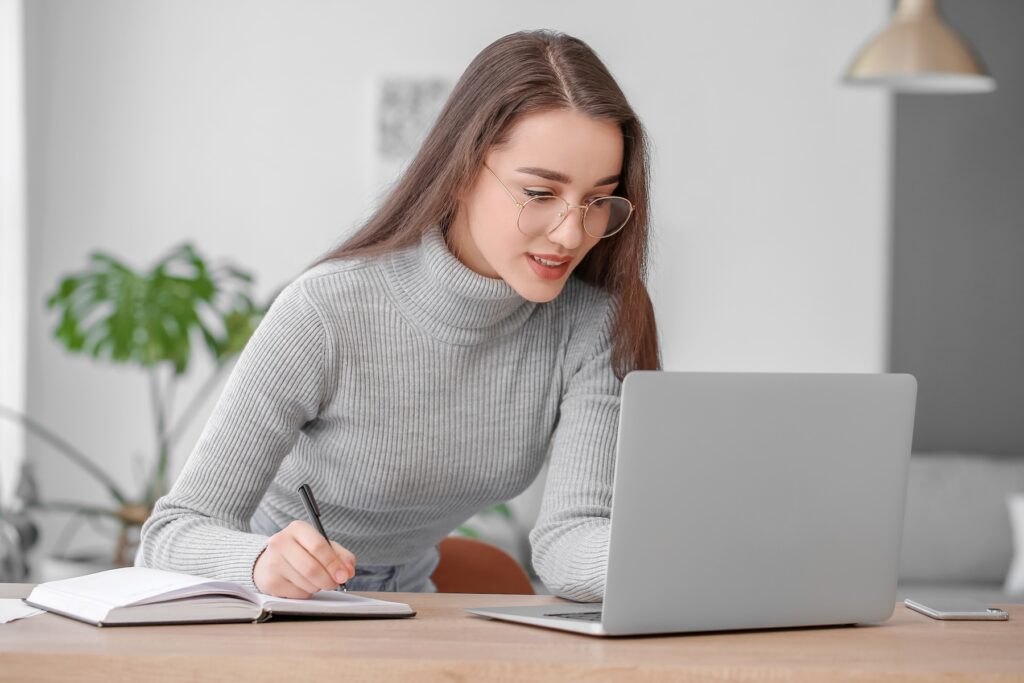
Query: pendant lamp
(918,52)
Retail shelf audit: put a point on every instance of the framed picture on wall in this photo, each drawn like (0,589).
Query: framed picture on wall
(403,109)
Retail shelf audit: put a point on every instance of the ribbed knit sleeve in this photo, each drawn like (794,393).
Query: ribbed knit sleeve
(570,538)
(201,526)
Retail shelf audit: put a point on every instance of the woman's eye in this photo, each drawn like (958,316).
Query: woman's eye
(547,193)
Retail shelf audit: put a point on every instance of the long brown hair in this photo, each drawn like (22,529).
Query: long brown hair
(518,74)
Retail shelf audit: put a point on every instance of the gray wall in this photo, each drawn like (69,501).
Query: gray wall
(958,251)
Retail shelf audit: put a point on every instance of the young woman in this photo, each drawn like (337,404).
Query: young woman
(420,373)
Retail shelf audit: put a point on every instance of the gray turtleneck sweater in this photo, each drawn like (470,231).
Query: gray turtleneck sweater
(411,393)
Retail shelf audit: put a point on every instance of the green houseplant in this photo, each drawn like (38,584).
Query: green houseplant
(112,313)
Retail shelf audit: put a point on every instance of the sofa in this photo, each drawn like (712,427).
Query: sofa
(957,538)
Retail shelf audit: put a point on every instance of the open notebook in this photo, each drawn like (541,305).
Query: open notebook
(139,595)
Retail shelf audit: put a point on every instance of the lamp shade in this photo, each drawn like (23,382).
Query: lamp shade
(918,52)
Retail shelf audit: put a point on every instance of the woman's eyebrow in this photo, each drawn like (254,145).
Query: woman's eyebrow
(558,177)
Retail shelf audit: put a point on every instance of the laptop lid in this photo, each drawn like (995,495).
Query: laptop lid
(752,500)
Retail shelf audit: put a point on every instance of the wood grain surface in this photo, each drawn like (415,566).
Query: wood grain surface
(444,643)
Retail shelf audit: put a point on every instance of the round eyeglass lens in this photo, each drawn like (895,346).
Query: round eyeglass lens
(540,215)
(606,216)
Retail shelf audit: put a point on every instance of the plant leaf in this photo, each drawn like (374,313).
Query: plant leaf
(111,312)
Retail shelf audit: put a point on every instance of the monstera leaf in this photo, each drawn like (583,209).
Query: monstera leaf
(111,312)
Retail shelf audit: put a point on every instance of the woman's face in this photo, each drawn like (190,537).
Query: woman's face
(558,152)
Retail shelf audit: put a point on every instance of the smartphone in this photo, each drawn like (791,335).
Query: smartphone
(956,608)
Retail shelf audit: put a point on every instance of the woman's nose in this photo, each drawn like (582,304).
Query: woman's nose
(570,232)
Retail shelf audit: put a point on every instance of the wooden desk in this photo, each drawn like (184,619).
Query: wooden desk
(444,643)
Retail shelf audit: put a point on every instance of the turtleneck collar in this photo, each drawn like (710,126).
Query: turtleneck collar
(447,299)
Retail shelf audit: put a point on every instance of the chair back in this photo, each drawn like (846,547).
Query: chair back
(471,566)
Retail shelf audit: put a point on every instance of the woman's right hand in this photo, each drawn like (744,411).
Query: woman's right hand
(298,562)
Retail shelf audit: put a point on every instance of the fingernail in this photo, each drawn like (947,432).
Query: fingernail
(340,576)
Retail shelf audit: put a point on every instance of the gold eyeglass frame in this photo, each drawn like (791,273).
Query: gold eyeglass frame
(569,207)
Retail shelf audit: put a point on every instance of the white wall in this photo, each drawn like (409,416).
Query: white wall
(12,243)
(242,125)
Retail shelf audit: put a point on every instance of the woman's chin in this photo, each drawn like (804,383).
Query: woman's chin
(534,289)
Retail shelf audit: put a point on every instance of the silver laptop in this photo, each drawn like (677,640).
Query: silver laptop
(750,500)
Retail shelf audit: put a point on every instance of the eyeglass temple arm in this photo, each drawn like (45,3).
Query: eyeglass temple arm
(507,191)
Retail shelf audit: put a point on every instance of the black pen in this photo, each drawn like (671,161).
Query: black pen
(313,510)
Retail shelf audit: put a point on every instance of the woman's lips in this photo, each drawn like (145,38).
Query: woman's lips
(548,272)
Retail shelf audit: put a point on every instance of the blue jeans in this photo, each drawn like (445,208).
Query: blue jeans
(411,577)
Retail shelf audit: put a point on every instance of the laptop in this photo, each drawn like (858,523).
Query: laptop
(748,501)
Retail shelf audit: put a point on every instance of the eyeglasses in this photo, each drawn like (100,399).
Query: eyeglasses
(539,215)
